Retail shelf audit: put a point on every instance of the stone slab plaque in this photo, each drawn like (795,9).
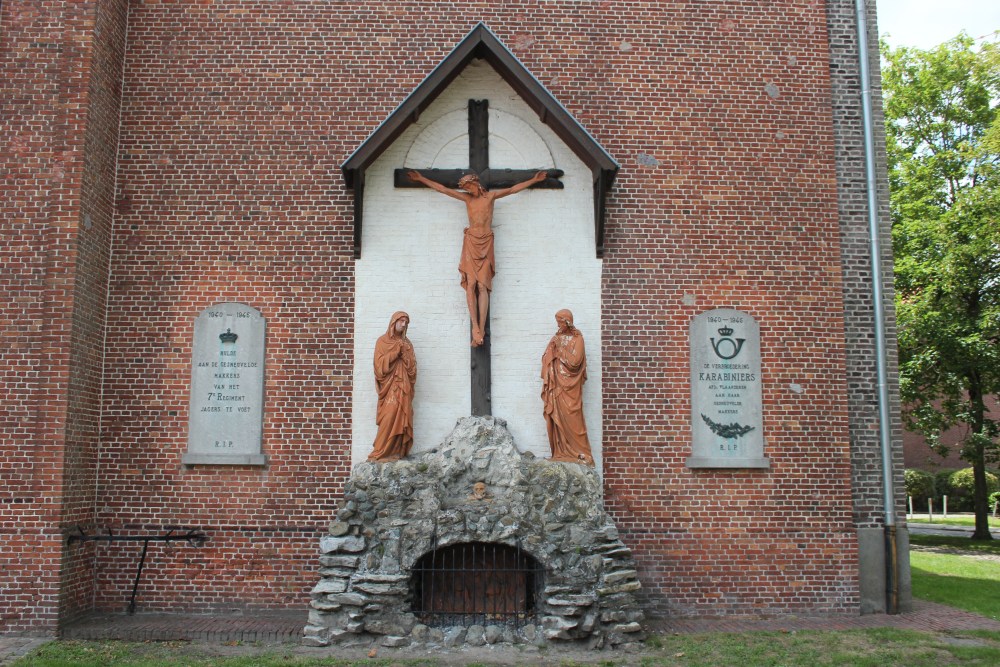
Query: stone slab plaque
(726,405)
(227,387)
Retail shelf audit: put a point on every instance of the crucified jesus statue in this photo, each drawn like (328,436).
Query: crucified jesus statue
(477,264)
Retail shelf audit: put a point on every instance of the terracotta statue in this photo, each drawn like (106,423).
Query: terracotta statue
(395,375)
(564,370)
(477,264)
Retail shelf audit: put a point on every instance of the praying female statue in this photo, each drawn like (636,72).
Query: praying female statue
(564,370)
(395,376)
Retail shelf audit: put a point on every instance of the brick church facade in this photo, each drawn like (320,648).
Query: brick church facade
(162,157)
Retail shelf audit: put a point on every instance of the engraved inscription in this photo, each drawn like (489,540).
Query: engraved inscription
(227,383)
(726,411)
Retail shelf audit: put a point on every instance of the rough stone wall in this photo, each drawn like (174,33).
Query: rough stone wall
(236,118)
(60,102)
(395,513)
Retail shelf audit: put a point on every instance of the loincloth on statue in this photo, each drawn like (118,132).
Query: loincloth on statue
(477,264)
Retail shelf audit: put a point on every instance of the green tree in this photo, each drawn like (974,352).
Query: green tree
(943,140)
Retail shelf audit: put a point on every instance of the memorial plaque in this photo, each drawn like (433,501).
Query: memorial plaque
(227,387)
(726,406)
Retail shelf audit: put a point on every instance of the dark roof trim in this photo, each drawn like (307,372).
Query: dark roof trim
(482,43)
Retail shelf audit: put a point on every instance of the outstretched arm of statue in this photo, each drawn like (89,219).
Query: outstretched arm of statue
(537,178)
(417,177)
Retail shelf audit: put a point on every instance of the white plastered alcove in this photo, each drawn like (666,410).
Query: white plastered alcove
(545,258)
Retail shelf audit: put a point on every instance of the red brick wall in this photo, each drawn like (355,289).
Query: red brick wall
(60,126)
(740,212)
(107,27)
(236,118)
(228,191)
(29,110)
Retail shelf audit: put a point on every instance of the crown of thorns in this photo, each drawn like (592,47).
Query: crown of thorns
(468,178)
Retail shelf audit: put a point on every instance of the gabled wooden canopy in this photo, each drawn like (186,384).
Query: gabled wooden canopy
(482,43)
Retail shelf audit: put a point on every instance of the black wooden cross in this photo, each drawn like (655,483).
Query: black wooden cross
(491,179)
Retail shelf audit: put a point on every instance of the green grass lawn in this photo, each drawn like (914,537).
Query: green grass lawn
(958,580)
(171,654)
(858,648)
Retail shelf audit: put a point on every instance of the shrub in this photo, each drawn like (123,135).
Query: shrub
(942,487)
(994,499)
(942,482)
(919,486)
(962,487)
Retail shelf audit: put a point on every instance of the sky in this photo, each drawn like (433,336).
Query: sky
(926,23)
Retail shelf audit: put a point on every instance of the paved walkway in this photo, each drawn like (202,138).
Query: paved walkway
(269,627)
(12,648)
(941,526)
(940,529)
(285,627)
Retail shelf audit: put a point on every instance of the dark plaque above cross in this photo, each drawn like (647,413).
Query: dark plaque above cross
(476,266)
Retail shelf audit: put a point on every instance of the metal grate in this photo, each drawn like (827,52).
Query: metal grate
(476,583)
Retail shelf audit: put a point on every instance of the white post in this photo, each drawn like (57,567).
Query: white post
(909,500)
(945,515)
(930,509)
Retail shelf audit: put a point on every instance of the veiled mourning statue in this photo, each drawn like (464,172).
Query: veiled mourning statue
(395,376)
(564,370)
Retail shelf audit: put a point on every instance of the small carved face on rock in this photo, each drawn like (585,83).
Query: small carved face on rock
(478,491)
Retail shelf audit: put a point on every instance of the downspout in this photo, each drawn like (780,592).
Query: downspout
(885,438)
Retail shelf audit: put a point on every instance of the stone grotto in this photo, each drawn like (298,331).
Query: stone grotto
(474,542)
